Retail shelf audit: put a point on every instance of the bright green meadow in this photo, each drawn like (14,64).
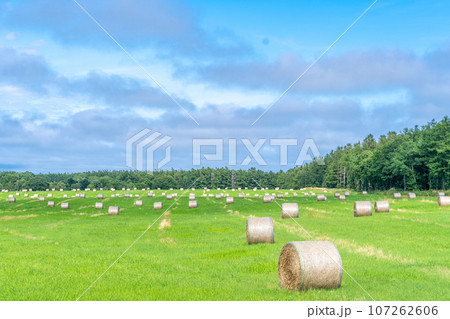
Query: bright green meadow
(201,254)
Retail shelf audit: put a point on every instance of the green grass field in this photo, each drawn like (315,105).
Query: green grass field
(201,254)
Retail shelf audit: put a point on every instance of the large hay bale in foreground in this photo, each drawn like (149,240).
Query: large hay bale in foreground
(321,198)
(65,205)
(193,204)
(362,208)
(411,195)
(113,210)
(310,265)
(259,230)
(289,210)
(157,205)
(230,200)
(267,199)
(51,204)
(138,203)
(381,206)
(98,205)
(397,195)
(443,201)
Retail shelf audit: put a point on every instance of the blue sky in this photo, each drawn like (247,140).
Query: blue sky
(70,97)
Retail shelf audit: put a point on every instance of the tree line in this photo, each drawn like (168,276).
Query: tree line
(414,159)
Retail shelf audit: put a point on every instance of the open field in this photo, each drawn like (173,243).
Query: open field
(201,254)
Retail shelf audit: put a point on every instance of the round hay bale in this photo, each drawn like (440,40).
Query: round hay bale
(259,230)
(267,199)
(362,208)
(192,196)
(289,210)
(49,195)
(381,206)
(347,193)
(98,205)
(313,194)
(443,201)
(294,194)
(411,195)
(41,199)
(306,194)
(193,204)
(321,198)
(12,199)
(230,200)
(279,196)
(364,192)
(65,205)
(218,196)
(127,195)
(397,195)
(341,197)
(26,195)
(169,196)
(441,194)
(51,204)
(310,265)
(336,195)
(100,196)
(256,195)
(83,195)
(138,203)
(113,210)
(157,205)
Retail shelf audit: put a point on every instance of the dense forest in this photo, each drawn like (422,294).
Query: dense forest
(413,159)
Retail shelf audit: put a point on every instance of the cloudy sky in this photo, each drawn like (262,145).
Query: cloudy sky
(70,97)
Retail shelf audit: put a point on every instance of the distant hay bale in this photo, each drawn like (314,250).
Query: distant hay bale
(260,230)
(113,210)
(218,196)
(279,195)
(98,205)
(82,195)
(247,194)
(381,206)
(127,195)
(305,194)
(341,197)
(294,194)
(256,195)
(336,195)
(362,208)
(313,194)
(310,265)
(347,193)
(157,205)
(191,196)
(364,192)
(41,199)
(65,205)
(230,200)
(289,210)
(411,195)
(138,203)
(443,201)
(150,194)
(397,195)
(26,195)
(267,199)
(51,204)
(12,199)
(193,204)
(169,196)
(441,194)
(321,198)
(100,196)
